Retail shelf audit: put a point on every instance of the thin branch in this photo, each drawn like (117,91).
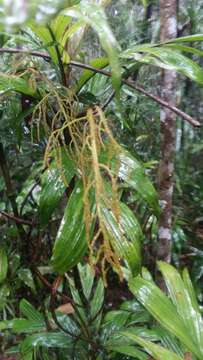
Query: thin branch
(156,98)
(16,219)
(110,98)
(165,104)
(27,196)
(50,287)
(40,54)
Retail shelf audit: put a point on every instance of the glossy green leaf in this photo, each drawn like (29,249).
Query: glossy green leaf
(163,310)
(184,48)
(191,291)
(166,58)
(77,299)
(29,311)
(93,15)
(168,340)
(72,39)
(97,300)
(86,278)
(131,172)
(15,83)
(58,27)
(48,340)
(54,182)
(71,244)
(3,265)
(22,325)
(25,275)
(146,274)
(98,63)
(157,351)
(125,236)
(44,35)
(27,326)
(184,305)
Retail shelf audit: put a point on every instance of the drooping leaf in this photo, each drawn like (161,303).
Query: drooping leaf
(54,182)
(93,14)
(3,264)
(166,58)
(71,244)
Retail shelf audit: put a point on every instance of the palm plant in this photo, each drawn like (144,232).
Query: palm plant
(178,315)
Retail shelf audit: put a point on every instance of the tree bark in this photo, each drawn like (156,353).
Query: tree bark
(168,30)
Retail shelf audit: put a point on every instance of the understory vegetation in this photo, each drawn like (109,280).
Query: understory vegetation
(101,204)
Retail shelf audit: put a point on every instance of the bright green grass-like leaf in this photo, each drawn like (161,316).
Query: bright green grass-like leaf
(3,265)
(54,182)
(166,58)
(93,15)
(15,83)
(157,351)
(70,244)
(164,311)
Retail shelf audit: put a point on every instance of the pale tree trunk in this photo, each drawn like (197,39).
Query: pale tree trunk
(168,30)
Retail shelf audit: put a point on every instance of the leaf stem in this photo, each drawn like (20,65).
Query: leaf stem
(63,75)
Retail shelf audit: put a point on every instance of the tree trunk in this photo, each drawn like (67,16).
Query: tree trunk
(168,30)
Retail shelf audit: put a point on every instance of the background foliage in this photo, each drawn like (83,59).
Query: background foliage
(78,207)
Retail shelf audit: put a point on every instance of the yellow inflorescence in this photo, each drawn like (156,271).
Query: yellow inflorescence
(90,137)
